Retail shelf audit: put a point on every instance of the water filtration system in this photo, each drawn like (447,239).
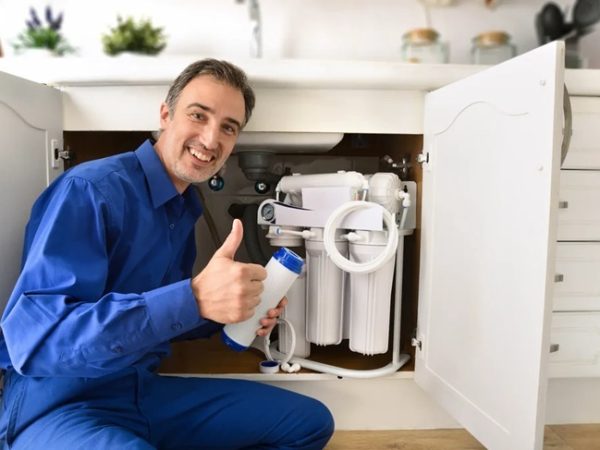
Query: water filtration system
(352,227)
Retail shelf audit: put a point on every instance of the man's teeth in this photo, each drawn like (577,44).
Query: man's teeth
(202,157)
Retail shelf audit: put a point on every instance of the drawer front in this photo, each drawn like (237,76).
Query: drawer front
(579,213)
(579,265)
(584,151)
(578,337)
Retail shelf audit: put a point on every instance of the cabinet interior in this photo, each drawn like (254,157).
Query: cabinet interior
(360,152)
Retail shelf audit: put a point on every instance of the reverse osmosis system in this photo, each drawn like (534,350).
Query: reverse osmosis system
(352,227)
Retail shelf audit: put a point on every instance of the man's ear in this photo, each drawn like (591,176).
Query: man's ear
(164,116)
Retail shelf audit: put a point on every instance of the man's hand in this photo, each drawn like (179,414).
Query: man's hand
(271,320)
(228,291)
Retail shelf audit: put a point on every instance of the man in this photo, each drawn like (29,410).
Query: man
(105,286)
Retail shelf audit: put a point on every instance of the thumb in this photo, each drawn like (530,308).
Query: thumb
(232,242)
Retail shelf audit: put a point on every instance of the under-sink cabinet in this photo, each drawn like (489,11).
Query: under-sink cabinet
(507,245)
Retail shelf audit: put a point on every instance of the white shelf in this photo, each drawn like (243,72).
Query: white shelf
(306,73)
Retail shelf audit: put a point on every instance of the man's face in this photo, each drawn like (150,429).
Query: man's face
(200,135)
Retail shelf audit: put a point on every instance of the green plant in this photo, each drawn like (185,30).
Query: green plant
(38,35)
(132,36)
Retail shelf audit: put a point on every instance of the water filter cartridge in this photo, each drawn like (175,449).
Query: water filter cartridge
(282,270)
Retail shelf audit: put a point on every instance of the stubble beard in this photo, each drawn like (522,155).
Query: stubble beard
(189,175)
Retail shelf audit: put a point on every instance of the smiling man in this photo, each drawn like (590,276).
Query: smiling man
(106,284)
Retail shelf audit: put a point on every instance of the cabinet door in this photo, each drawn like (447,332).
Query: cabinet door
(490,198)
(30,126)
(579,216)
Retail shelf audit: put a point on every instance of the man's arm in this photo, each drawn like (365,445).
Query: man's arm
(60,321)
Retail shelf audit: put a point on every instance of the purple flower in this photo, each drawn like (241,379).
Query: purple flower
(49,14)
(56,23)
(35,20)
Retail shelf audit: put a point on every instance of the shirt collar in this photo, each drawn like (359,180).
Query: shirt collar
(192,201)
(161,187)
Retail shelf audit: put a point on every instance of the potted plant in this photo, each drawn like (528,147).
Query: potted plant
(135,37)
(45,37)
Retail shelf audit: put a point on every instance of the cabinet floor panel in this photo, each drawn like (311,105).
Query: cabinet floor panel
(211,356)
(556,437)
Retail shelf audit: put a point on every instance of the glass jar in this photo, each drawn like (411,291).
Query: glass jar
(422,45)
(492,47)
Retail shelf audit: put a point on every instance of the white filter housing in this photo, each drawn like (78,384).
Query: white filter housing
(293,184)
(295,313)
(325,294)
(370,299)
(383,188)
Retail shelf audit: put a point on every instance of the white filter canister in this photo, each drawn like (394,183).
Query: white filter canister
(282,270)
(295,313)
(370,300)
(325,294)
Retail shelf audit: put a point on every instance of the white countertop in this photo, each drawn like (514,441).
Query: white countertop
(289,73)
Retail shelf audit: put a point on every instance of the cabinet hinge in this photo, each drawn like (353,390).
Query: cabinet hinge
(416,343)
(559,278)
(63,154)
(563,204)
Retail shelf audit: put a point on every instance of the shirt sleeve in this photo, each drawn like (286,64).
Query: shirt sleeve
(59,321)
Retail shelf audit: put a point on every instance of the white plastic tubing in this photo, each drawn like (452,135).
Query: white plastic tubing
(333,223)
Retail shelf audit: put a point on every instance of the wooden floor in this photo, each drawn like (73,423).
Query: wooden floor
(557,437)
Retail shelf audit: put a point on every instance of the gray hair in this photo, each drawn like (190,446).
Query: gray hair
(220,70)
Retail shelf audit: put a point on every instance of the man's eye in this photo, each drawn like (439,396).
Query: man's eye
(197,116)
(229,129)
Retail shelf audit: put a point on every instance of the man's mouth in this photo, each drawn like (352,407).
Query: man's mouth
(201,155)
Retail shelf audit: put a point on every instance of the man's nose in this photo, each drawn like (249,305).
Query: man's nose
(209,136)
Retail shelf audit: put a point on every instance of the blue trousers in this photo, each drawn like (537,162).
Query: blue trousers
(137,409)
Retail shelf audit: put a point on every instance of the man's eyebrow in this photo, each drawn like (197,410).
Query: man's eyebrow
(210,110)
(200,105)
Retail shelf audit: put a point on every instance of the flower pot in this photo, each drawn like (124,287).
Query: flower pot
(36,53)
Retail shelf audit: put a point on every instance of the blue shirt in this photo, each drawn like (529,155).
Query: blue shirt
(105,280)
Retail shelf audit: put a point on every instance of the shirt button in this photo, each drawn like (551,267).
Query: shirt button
(176,326)
(117,349)
(171,226)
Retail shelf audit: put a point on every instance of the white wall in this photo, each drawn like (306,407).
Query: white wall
(331,29)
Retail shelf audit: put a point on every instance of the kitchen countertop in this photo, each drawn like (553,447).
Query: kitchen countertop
(289,73)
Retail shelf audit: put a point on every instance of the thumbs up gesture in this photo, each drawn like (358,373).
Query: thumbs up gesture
(227,291)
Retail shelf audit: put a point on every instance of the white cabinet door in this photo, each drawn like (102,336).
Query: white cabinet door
(490,198)
(579,215)
(30,122)
(577,335)
(579,290)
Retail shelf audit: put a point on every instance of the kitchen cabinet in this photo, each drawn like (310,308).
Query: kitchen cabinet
(576,306)
(490,212)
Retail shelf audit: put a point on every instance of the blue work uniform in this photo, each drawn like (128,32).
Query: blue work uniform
(104,286)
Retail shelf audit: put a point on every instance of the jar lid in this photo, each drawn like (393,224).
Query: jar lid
(491,39)
(421,36)
(268,366)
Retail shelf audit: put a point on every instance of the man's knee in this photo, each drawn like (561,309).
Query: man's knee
(319,424)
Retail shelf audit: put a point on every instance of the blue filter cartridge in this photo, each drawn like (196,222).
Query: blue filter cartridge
(282,270)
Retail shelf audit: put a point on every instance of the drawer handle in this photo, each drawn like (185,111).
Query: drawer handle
(559,278)
(563,204)
(554,348)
